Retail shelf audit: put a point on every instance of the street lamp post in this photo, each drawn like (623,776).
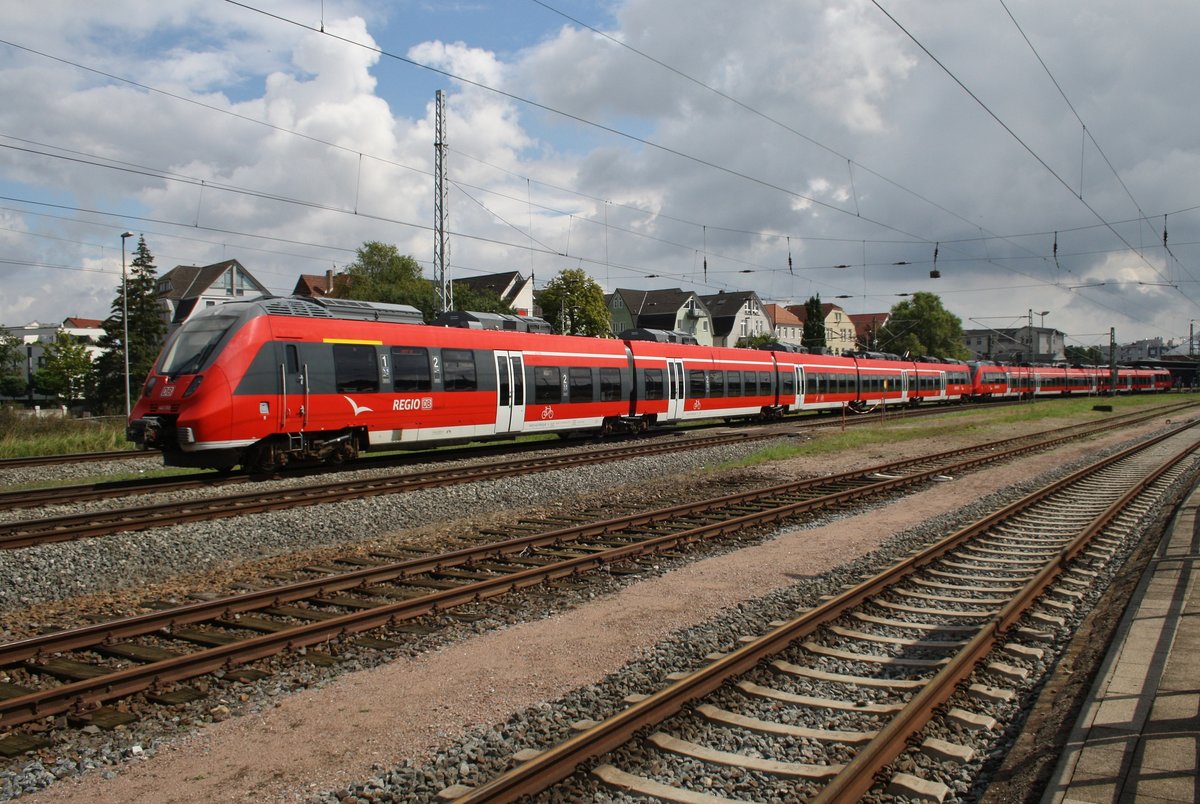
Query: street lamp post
(125,318)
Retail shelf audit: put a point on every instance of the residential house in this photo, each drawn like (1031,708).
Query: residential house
(317,285)
(840,336)
(673,310)
(1017,344)
(736,316)
(36,336)
(187,288)
(788,328)
(510,287)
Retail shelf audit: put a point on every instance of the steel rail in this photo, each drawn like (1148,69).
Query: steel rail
(558,762)
(80,694)
(858,776)
(33,647)
(114,455)
(74,457)
(70,527)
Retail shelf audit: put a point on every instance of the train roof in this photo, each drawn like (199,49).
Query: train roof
(658,336)
(500,321)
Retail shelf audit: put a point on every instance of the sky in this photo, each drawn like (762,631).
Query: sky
(1041,157)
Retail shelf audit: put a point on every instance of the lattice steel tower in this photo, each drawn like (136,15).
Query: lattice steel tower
(441,244)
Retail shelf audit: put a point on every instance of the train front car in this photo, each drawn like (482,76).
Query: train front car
(186,406)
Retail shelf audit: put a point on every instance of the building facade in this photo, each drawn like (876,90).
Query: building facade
(736,316)
(785,326)
(1018,345)
(187,288)
(672,310)
(36,336)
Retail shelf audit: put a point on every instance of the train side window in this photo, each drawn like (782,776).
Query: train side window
(733,383)
(293,359)
(410,369)
(654,384)
(502,380)
(716,383)
(697,385)
(610,384)
(788,384)
(355,369)
(764,383)
(581,384)
(547,385)
(518,381)
(458,370)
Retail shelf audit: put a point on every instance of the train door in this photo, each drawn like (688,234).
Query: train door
(293,386)
(675,388)
(799,387)
(510,392)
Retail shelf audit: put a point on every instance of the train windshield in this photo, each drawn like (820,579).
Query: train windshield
(194,344)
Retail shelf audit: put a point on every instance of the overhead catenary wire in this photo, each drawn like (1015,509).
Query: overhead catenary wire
(709,225)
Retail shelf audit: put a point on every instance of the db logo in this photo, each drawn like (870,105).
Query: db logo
(547,412)
(167,390)
(696,405)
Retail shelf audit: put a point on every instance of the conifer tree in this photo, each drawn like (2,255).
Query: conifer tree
(147,330)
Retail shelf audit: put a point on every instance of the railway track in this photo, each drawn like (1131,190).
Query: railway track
(155,653)
(103,490)
(857,697)
(73,457)
(127,454)
(70,527)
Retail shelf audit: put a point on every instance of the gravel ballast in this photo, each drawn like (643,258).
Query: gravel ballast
(501,662)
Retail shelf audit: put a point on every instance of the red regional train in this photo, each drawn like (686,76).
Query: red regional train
(995,381)
(270,381)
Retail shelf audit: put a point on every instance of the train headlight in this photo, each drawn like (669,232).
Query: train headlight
(193,386)
(150,383)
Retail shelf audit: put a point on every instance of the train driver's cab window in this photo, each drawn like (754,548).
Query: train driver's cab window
(410,369)
(355,368)
(458,370)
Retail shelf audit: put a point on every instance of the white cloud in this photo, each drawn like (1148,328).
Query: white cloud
(900,153)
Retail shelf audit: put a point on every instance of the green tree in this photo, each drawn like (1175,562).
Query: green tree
(147,330)
(754,341)
(380,273)
(66,369)
(12,379)
(922,326)
(573,303)
(1085,355)
(814,323)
